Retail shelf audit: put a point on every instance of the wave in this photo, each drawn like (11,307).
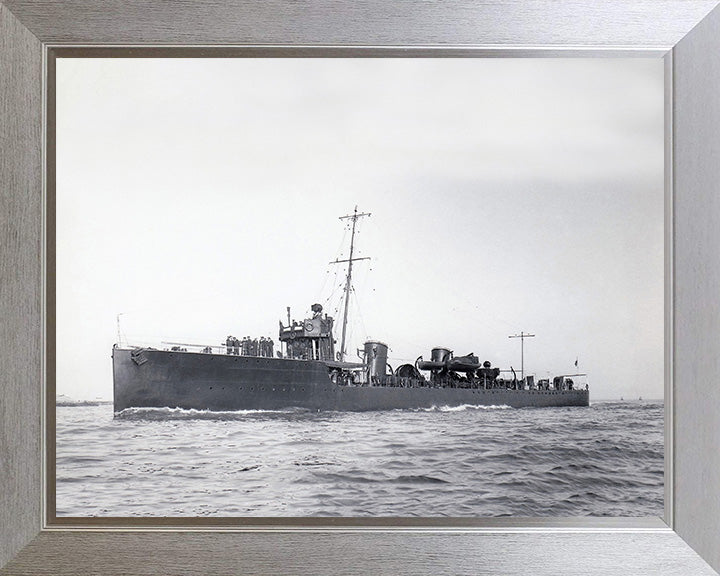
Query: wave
(464,407)
(193,413)
(365,478)
(418,479)
(443,460)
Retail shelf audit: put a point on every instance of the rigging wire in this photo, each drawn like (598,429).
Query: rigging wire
(333,294)
(343,289)
(338,252)
(358,311)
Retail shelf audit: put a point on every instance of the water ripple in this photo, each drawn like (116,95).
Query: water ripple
(606,460)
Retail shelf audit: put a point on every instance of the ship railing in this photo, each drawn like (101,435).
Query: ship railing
(259,349)
(390,381)
(504,385)
(218,349)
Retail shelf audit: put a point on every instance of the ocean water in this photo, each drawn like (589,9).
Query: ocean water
(604,460)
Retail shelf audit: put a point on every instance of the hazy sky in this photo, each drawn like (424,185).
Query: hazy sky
(199,198)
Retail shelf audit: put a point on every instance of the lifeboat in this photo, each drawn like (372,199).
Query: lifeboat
(468,363)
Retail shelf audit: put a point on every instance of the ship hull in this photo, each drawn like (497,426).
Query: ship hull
(157,378)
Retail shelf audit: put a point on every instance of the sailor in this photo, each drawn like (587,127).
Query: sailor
(317,310)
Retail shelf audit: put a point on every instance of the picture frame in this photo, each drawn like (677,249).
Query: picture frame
(684,33)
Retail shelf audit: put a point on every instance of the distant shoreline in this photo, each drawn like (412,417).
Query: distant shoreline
(82,402)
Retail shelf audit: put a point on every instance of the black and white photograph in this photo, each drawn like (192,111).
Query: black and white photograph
(367,287)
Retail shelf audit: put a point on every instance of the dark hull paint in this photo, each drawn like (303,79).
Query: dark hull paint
(226,382)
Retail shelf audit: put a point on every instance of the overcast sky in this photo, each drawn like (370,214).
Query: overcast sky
(199,198)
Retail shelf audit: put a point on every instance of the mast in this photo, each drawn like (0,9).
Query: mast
(522,337)
(348,281)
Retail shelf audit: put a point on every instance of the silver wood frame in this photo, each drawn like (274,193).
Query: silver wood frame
(685,32)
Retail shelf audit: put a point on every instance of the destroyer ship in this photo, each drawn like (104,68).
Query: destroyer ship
(309,373)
